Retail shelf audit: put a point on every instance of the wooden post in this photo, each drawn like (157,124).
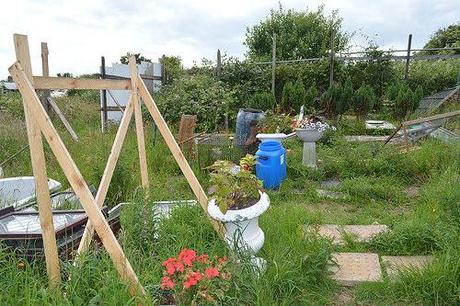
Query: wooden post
(37,156)
(218,65)
(332,59)
(177,153)
(108,172)
(186,130)
(139,123)
(76,180)
(104,97)
(163,70)
(45,73)
(406,69)
(273,63)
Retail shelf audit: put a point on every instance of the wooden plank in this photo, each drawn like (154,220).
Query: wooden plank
(76,181)
(77,83)
(63,119)
(108,172)
(139,124)
(431,118)
(37,156)
(177,153)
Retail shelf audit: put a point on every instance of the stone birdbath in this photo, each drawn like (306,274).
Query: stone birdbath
(309,138)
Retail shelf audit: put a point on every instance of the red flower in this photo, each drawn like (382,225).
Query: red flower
(192,280)
(167,283)
(204,258)
(187,256)
(170,265)
(222,260)
(211,272)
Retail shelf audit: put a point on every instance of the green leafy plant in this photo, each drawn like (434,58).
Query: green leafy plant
(275,123)
(235,187)
(330,100)
(310,97)
(404,100)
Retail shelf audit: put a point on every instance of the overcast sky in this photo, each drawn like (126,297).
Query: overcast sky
(79,32)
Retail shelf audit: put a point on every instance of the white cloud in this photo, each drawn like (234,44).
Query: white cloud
(79,32)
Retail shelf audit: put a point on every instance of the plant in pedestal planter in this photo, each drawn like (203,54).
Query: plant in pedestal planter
(310,130)
(238,201)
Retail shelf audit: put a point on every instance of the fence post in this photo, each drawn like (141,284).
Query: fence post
(104,97)
(45,73)
(406,70)
(332,59)
(163,70)
(218,65)
(273,63)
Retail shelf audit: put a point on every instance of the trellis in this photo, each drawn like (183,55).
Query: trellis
(39,124)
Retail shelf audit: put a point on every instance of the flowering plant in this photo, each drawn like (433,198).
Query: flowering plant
(311,124)
(196,280)
(234,187)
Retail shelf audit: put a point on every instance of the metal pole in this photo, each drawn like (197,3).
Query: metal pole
(273,63)
(104,97)
(331,59)
(406,70)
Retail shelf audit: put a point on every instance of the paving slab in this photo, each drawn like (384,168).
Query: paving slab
(359,233)
(330,183)
(394,264)
(331,194)
(363,233)
(355,268)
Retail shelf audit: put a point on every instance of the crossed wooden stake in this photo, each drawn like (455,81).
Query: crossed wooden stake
(38,124)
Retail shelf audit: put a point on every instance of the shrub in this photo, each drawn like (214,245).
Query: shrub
(404,100)
(310,97)
(364,100)
(330,100)
(293,97)
(262,100)
(199,95)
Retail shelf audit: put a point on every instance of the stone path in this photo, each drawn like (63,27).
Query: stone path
(354,268)
(394,264)
(359,233)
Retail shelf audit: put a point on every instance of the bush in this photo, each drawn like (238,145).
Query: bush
(330,100)
(199,95)
(310,97)
(262,100)
(404,100)
(364,100)
(293,97)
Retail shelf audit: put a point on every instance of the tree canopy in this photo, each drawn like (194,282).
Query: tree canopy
(443,38)
(299,34)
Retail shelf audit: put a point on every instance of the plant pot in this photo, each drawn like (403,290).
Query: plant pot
(242,225)
(309,138)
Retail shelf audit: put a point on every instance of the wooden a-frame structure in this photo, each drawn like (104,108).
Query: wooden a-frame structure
(39,124)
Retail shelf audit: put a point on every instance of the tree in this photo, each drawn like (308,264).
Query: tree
(173,68)
(364,100)
(293,97)
(299,34)
(443,38)
(124,59)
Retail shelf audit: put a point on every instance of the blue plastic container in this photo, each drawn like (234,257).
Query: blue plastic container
(271,164)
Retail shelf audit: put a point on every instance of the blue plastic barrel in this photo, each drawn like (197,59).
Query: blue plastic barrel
(271,164)
(243,124)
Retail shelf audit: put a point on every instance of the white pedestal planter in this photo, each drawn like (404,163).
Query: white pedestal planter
(309,138)
(242,225)
(278,137)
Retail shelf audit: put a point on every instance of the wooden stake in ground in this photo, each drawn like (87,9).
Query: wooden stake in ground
(139,123)
(37,156)
(108,172)
(186,131)
(76,180)
(177,153)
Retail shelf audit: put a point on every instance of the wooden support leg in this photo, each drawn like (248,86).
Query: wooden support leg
(108,172)
(76,180)
(139,123)
(177,153)
(37,156)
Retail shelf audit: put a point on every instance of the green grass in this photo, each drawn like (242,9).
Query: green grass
(373,178)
